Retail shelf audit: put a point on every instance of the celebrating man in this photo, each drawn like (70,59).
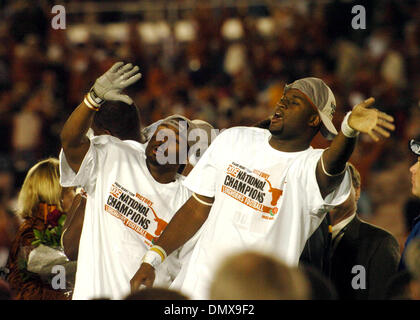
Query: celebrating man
(265,189)
(132,194)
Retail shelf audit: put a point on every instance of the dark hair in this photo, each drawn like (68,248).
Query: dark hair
(120,119)
(355,176)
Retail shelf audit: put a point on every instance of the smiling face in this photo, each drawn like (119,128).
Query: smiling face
(292,115)
(415,178)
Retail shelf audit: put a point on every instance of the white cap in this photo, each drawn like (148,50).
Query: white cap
(322,98)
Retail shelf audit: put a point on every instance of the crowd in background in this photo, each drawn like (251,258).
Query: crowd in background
(223,64)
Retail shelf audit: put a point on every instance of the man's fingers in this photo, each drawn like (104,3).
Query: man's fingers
(133,285)
(131,80)
(125,98)
(384,116)
(138,284)
(125,68)
(116,66)
(130,73)
(382,132)
(373,136)
(368,102)
(386,125)
(148,282)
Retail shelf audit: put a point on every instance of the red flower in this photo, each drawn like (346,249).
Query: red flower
(52,217)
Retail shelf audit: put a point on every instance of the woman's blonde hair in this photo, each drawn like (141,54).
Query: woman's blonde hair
(42,184)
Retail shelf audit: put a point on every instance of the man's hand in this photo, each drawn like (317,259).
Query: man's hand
(371,121)
(144,276)
(109,86)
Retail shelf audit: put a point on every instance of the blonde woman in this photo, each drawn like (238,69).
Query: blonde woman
(41,202)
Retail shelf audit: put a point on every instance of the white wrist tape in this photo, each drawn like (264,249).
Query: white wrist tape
(346,129)
(153,258)
(160,251)
(89,104)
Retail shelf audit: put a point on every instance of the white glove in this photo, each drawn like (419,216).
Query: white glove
(109,86)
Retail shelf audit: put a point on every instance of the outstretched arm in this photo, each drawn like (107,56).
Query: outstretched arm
(331,166)
(108,87)
(185,223)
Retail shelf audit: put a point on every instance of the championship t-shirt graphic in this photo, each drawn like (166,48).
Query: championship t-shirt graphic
(135,211)
(252,188)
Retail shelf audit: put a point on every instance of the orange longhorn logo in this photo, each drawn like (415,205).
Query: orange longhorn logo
(275,193)
(161,224)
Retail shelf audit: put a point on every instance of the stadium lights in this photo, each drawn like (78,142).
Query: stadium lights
(265,26)
(78,33)
(232,29)
(154,32)
(116,31)
(185,30)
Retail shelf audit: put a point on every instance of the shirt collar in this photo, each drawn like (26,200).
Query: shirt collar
(339,226)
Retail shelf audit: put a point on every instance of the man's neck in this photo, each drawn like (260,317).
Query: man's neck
(162,174)
(288,145)
(337,227)
(342,215)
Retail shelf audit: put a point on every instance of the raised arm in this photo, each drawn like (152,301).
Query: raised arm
(185,223)
(331,167)
(108,87)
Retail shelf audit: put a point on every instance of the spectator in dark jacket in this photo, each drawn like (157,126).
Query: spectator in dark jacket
(360,258)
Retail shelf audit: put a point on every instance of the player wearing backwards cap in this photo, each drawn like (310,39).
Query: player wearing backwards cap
(232,195)
(415,190)
(132,195)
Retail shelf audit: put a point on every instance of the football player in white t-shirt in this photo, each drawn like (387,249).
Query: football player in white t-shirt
(118,120)
(123,122)
(132,195)
(265,189)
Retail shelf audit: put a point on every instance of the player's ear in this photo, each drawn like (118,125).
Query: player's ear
(314,120)
(357,193)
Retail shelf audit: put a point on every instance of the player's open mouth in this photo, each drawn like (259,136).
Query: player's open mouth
(277,116)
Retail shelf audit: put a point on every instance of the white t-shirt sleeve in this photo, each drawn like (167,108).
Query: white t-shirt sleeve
(304,171)
(202,178)
(86,176)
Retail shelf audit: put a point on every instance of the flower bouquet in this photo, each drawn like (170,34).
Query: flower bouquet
(45,255)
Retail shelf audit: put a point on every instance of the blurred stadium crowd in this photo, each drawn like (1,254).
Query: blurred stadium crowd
(225,62)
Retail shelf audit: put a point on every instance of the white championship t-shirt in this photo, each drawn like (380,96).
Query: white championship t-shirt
(125,211)
(265,199)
